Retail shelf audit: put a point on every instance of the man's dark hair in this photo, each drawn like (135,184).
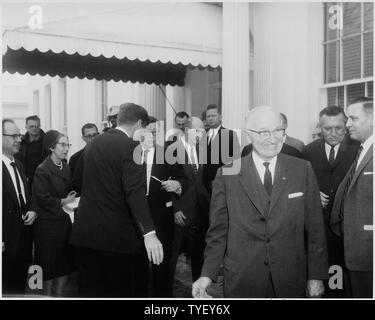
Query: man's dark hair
(284,118)
(367,103)
(181,114)
(213,106)
(332,111)
(203,115)
(130,113)
(5,120)
(33,118)
(88,126)
(152,119)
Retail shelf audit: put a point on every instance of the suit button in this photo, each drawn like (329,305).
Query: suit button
(268,240)
(262,219)
(266,263)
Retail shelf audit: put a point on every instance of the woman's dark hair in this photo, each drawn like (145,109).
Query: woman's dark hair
(50,140)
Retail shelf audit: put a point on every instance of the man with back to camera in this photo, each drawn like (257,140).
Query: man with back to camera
(113,229)
(266,223)
(352,212)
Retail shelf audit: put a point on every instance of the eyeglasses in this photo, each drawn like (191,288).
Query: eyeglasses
(64,145)
(14,136)
(266,134)
(91,136)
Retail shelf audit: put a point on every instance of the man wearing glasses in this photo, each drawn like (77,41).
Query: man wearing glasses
(31,150)
(16,216)
(89,133)
(266,223)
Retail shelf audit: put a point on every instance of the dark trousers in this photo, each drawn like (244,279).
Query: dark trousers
(160,281)
(111,274)
(194,238)
(14,275)
(361,284)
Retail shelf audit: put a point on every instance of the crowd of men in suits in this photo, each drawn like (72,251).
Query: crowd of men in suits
(271,216)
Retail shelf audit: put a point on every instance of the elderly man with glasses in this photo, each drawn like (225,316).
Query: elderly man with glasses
(266,223)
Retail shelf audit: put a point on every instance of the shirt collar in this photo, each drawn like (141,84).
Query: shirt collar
(123,130)
(6,160)
(259,161)
(369,141)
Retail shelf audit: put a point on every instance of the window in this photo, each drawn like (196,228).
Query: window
(348,51)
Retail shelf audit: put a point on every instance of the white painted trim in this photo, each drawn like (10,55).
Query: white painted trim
(346,82)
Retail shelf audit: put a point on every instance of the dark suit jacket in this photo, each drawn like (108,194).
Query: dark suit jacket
(329,177)
(358,212)
(254,235)
(50,185)
(16,236)
(161,201)
(286,149)
(217,156)
(73,160)
(196,195)
(113,213)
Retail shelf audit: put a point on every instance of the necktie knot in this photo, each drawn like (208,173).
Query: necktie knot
(266,164)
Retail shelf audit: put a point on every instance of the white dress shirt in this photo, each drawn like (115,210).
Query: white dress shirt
(366,146)
(191,151)
(212,133)
(258,161)
(328,149)
(7,162)
(149,161)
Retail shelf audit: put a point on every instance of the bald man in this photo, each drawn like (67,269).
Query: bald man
(191,210)
(266,223)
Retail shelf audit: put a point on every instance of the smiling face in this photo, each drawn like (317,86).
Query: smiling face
(265,119)
(61,149)
(360,123)
(332,128)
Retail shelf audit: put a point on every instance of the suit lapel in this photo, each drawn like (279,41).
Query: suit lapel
(279,180)
(252,184)
(366,159)
(8,183)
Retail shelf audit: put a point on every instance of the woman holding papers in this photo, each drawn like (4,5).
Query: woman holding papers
(52,191)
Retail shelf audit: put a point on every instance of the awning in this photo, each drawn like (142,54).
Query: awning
(146,42)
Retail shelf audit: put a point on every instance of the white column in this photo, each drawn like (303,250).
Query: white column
(236,64)
(175,96)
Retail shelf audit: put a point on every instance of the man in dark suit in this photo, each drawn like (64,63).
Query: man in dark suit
(113,225)
(222,145)
(352,212)
(290,141)
(17,218)
(191,210)
(89,133)
(331,158)
(266,223)
(165,182)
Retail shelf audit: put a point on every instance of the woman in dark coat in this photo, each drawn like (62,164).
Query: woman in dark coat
(51,191)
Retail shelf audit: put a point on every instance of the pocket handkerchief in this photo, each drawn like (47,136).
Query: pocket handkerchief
(295,195)
(367,173)
(168,204)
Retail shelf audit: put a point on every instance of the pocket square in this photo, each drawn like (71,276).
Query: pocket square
(295,195)
(367,173)
(368,227)
(168,204)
